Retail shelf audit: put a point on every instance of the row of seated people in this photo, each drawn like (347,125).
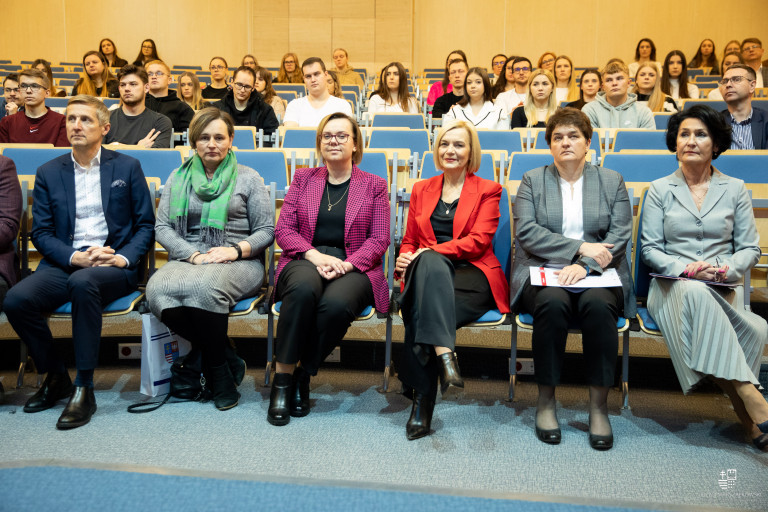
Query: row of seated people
(149,120)
(215,221)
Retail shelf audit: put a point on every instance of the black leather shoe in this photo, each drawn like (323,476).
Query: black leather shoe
(55,387)
(236,364)
(763,427)
(551,436)
(300,392)
(761,442)
(225,395)
(79,409)
(449,372)
(600,442)
(421,417)
(278,413)
(2,393)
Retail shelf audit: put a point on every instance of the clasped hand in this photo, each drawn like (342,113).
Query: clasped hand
(598,252)
(405,259)
(216,255)
(97,257)
(571,274)
(704,271)
(329,267)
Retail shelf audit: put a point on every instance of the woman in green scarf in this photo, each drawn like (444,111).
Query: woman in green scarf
(215,221)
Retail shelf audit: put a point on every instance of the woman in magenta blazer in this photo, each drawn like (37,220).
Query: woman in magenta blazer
(451,276)
(333,230)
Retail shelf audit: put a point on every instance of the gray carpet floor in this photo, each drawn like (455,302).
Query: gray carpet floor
(670,450)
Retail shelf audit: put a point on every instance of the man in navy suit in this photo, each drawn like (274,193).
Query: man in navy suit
(749,125)
(93,220)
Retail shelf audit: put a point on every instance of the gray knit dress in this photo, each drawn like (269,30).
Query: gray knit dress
(214,287)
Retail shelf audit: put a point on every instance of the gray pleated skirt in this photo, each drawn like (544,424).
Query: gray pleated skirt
(214,287)
(707,331)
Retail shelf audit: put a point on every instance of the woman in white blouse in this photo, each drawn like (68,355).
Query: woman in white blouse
(476,107)
(674,77)
(392,94)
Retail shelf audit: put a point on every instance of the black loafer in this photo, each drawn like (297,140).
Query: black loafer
(551,436)
(278,413)
(79,409)
(450,376)
(420,421)
(56,386)
(300,393)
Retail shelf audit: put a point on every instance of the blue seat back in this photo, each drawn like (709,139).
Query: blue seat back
(351,96)
(413,121)
(750,168)
(56,102)
(299,89)
(524,162)
(504,140)
(661,120)
(715,104)
(502,239)
(646,139)
(27,160)
(375,163)
(299,139)
(244,139)
(639,167)
(415,140)
(641,278)
(155,163)
(270,165)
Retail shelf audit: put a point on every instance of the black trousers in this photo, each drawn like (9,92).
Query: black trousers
(596,310)
(316,313)
(89,290)
(439,297)
(206,331)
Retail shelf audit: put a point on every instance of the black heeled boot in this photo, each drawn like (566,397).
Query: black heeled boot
(300,392)
(278,413)
(225,394)
(236,364)
(421,417)
(450,376)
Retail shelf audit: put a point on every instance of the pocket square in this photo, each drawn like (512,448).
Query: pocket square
(119,184)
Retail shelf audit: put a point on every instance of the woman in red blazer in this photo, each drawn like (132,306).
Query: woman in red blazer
(333,230)
(451,274)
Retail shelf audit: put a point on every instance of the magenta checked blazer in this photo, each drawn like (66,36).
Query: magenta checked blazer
(366,226)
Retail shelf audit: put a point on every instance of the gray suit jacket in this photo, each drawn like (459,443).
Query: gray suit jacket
(676,233)
(538,215)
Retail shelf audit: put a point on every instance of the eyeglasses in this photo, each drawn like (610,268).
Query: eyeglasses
(340,137)
(243,86)
(147,47)
(217,68)
(155,73)
(34,87)
(499,63)
(548,61)
(522,70)
(290,62)
(734,80)
(12,89)
(750,48)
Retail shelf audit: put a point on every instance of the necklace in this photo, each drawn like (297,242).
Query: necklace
(328,195)
(447,206)
(699,199)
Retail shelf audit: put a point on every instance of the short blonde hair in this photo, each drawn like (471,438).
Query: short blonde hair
(357,136)
(102,112)
(158,63)
(475,153)
(36,73)
(615,66)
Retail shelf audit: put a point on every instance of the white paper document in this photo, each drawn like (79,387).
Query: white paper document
(545,276)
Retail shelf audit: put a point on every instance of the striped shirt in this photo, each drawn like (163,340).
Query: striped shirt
(741,135)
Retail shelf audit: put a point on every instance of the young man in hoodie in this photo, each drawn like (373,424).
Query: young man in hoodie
(245,104)
(614,106)
(163,100)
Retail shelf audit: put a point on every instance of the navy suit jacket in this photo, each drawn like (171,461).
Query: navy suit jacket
(125,199)
(759,126)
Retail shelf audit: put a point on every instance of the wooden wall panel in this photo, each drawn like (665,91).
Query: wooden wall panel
(309,8)
(393,41)
(271,39)
(354,9)
(356,36)
(311,37)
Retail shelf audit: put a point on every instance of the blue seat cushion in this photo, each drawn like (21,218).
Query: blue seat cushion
(243,305)
(647,320)
(527,319)
(366,311)
(493,315)
(120,304)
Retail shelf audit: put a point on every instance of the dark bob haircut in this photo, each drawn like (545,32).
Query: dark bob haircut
(568,116)
(718,129)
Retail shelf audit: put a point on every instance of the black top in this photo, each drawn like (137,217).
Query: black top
(214,93)
(579,104)
(669,102)
(520,120)
(329,230)
(444,103)
(442,220)
(112,88)
(172,107)
(256,113)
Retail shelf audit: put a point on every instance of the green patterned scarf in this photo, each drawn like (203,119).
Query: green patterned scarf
(215,195)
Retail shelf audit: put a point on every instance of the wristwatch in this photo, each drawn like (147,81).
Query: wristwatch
(239,251)
(581,263)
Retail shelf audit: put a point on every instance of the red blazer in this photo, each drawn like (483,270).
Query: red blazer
(475,223)
(366,224)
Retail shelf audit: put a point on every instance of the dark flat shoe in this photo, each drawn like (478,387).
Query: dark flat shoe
(551,436)
(761,442)
(79,409)
(300,393)
(601,442)
(450,376)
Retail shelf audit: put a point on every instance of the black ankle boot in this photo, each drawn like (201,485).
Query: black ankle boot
(225,395)
(278,413)
(421,417)
(450,376)
(236,364)
(300,392)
